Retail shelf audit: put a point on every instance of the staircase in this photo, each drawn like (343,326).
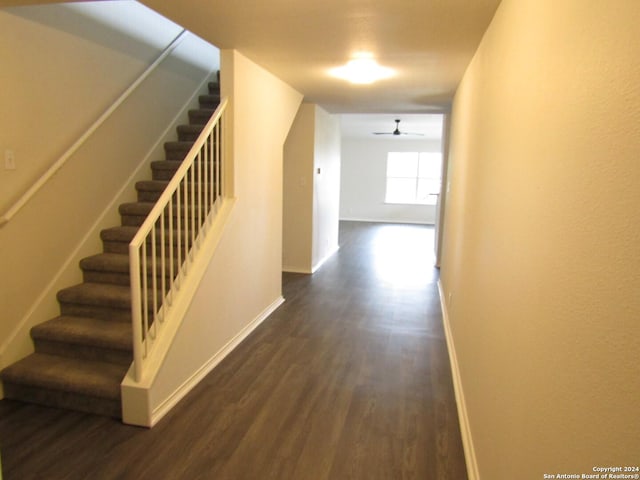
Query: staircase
(82,355)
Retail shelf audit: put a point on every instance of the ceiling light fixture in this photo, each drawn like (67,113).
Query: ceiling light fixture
(362,70)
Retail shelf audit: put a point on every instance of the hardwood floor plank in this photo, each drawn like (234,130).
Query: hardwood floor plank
(348,379)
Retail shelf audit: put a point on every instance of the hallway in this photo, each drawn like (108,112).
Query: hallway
(348,379)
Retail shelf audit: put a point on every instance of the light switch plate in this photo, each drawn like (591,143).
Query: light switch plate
(9,160)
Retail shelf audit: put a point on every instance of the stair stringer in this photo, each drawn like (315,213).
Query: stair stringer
(19,344)
(136,403)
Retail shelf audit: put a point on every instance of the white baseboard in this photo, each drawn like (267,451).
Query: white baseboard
(465,428)
(385,220)
(291,269)
(161,410)
(325,258)
(288,269)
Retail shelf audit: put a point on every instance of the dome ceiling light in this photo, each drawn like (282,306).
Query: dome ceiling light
(362,70)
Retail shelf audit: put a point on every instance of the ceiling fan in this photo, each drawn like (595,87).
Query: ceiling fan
(398,132)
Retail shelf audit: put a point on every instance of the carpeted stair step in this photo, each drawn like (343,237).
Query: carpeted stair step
(214,87)
(77,384)
(86,338)
(117,239)
(209,101)
(189,133)
(135,213)
(164,169)
(177,150)
(97,300)
(200,116)
(113,268)
(149,191)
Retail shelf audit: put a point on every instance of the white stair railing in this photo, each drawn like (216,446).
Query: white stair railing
(162,252)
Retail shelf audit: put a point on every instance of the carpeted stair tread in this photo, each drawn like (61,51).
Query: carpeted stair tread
(156,188)
(117,239)
(169,165)
(200,116)
(97,294)
(118,263)
(178,145)
(135,213)
(125,234)
(214,87)
(151,190)
(144,208)
(85,331)
(105,301)
(152,185)
(212,100)
(189,132)
(119,234)
(53,372)
(203,111)
(111,268)
(106,262)
(135,208)
(177,150)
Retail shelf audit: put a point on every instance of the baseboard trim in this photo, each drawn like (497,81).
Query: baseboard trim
(165,407)
(288,269)
(385,220)
(325,258)
(465,428)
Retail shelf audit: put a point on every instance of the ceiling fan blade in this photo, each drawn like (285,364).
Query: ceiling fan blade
(397,131)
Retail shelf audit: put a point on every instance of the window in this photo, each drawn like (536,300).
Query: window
(413,177)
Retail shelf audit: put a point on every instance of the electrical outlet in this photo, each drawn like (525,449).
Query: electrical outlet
(9,160)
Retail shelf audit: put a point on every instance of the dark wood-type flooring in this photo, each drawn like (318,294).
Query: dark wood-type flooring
(349,379)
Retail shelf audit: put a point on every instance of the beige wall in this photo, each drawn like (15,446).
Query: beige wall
(311,199)
(326,187)
(297,235)
(243,280)
(66,68)
(541,259)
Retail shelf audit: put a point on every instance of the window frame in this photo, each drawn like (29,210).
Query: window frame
(415,197)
